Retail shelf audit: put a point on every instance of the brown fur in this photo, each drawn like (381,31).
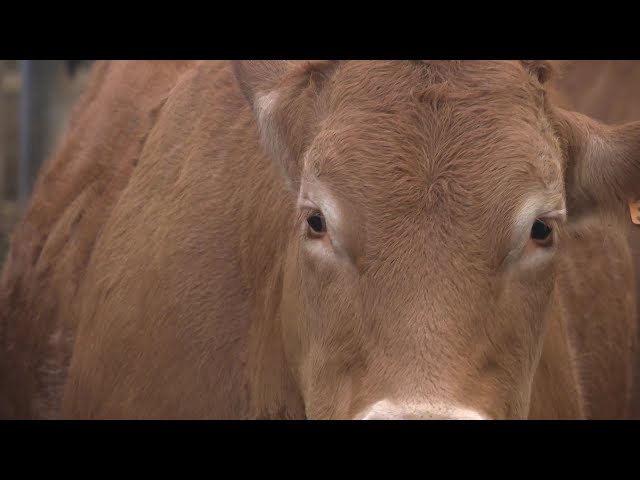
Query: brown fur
(163,260)
(607,90)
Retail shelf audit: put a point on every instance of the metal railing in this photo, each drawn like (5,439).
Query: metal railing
(35,100)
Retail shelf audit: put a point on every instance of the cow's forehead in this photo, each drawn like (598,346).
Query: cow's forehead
(462,97)
(465,141)
(390,81)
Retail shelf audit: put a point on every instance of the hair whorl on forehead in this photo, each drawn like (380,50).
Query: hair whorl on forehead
(543,70)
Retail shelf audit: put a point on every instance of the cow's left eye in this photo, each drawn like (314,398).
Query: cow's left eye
(317,224)
(541,234)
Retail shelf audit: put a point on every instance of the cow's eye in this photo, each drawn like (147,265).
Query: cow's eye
(541,234)
(317,226)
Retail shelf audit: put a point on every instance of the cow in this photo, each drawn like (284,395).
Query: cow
(607,91)
(324,240)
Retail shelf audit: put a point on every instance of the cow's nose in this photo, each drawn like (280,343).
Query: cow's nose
(386,410)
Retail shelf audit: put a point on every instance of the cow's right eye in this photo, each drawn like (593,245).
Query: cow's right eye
(316,224)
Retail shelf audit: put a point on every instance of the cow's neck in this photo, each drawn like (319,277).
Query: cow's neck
(556,391)
(573,380)
(268,215)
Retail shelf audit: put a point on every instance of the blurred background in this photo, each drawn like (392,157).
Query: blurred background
(36,98)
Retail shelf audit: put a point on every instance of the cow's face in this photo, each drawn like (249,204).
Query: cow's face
(431,200)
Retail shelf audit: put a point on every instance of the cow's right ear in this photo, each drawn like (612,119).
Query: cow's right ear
(283,96)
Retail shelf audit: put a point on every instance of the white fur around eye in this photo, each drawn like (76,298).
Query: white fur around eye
(524,251)
(316,197)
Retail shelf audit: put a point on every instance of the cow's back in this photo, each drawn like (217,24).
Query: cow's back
(141,281)
(53,244)
(606,90)
(168,298)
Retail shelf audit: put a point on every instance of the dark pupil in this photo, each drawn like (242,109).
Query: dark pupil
(540,231)
(315,222)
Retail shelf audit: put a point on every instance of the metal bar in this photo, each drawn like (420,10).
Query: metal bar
(36,130)
(3,137)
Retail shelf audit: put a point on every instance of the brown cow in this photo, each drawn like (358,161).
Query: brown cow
(324,239)
(607,90)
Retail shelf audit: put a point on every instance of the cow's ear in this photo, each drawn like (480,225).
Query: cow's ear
(602,162)
(283,96)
